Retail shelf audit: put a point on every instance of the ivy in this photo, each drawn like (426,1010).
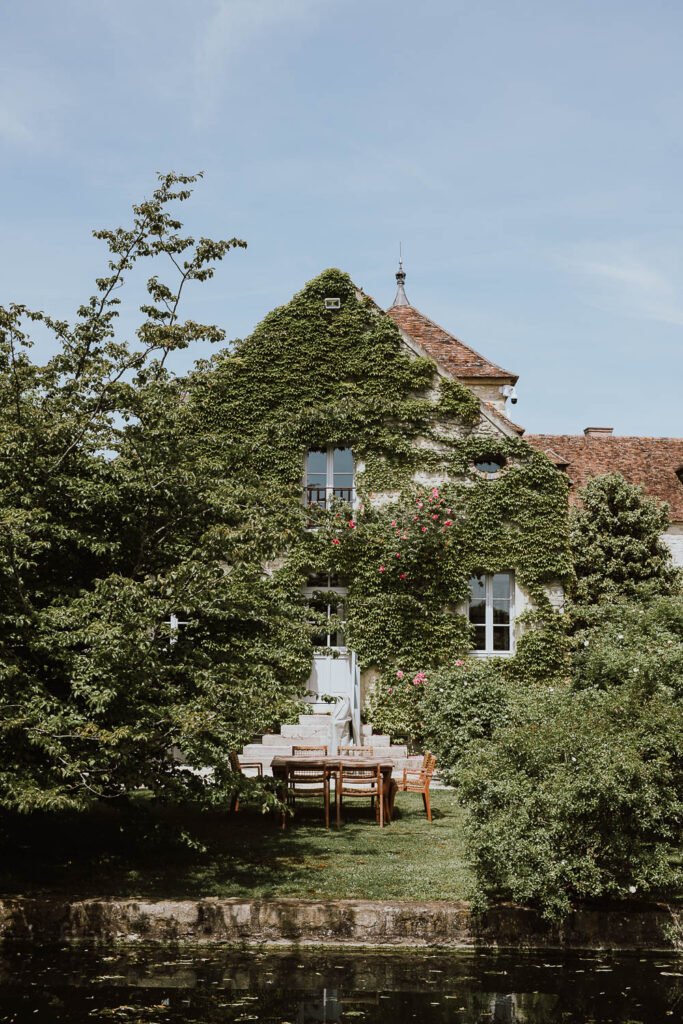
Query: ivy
(310,377)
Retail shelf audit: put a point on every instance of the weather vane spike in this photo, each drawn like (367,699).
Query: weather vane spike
(401,298)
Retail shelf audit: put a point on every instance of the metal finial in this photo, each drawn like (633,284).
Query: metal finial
(401,299)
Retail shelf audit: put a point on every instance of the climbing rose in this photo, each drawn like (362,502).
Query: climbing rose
(390,690)
(351,524)
(448,522)
(381,568)
(459,663)
(419,679)
(435,493)
(424,529)
(403,575)
(400,674)
(393,522)
(335,540)
(398,554)
(435,515)
(419,504)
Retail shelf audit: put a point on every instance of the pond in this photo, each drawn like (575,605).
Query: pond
(207,985)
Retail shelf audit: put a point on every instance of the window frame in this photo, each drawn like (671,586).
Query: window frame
(329,486)
(489,650)
(332,591)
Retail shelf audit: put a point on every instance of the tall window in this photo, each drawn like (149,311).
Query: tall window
(325,595)
(329,474)
(491,612)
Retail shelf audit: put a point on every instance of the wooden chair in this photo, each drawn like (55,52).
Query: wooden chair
(307,782)
(238,768)
(320,751)
(360,783)
(356,751)
(418,781)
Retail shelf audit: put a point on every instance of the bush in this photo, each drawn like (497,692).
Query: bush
(579,796)
(462,704)
(396,707)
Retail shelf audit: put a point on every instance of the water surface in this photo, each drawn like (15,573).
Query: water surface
(189,986)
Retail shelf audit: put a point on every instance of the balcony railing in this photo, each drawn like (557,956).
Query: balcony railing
(324,497)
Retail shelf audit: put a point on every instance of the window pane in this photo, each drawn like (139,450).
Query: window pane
(501,638)
(316,468)
(501,613)
(478,588)
(342,461)
(480,638)
(478,612)
(501,585)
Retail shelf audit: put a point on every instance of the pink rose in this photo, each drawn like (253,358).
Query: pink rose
(393,522)
(390,690)
(351,524)
(448,522)
(381,568)
(398,554)
(435,515)
(459,663)
(400,674)
(403,575)
(335,540)
(420,504)
(424,529)
(435,492)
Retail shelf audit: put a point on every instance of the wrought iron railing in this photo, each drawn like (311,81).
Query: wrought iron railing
(323,497)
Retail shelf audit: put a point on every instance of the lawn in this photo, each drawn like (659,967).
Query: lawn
(143,850)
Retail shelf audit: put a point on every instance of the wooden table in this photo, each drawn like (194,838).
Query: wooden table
(330,765)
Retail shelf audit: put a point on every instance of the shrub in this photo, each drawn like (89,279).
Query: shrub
(463,703)
(396,707)
(579,796)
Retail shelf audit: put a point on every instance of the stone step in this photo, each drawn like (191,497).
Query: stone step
(301,732)
(366,730)
(376,740)
(306,719)
(257,752)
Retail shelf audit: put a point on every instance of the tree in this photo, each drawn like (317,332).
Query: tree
(616,542)
(115,514)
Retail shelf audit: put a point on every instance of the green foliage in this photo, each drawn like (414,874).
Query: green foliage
(464,703)
(616,542)
(113,515)
(458,401)
(578,797)
(636,643)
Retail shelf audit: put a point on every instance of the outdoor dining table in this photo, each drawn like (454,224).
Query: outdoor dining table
(331,765)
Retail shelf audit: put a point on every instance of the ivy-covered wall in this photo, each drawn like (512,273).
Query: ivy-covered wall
(311,378)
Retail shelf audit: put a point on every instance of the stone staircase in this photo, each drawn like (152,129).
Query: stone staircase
(313,729)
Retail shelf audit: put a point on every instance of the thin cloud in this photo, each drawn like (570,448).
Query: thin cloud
(619,278)
(236,25)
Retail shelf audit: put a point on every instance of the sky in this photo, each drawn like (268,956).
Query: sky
(527,154)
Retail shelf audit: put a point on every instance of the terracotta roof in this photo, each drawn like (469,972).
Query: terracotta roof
(651,462)
(453,355)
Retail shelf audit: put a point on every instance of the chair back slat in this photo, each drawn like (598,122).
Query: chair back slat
(356,751)
(310,751)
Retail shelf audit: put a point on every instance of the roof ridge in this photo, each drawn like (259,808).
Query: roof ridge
(611,437)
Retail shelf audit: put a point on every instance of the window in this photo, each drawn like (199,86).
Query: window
(329,475)
(490,464)
(491,612)
(325,595)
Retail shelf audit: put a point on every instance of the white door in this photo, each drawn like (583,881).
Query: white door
(331,671)
(330,676)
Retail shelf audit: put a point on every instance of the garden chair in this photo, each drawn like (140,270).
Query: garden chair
(360,783)
(238,768)
(418,781)
(307,782)
(312,751)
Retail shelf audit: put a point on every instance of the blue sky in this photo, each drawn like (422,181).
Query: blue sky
(527,154)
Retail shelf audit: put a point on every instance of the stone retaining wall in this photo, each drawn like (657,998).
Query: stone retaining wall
(334,923)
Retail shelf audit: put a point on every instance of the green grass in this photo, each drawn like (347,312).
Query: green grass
(137,851)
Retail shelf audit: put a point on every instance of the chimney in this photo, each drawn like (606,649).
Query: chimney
(598,431)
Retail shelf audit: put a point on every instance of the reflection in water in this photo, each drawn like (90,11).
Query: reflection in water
(192,985)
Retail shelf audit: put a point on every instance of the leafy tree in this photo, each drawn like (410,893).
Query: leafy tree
(616,542)
(578,796)
(114,515)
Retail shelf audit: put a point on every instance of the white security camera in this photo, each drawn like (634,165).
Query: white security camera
(508,391)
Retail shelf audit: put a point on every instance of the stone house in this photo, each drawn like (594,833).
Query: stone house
(498,601)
